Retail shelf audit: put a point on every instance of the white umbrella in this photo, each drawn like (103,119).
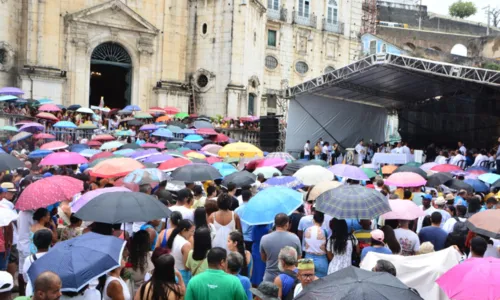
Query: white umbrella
(312,175)
(85,110)
(7,216)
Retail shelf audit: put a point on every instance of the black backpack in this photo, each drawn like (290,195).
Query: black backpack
(296,281)
(460,228)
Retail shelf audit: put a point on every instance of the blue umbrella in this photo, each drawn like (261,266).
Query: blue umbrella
(283,181)
(7,98)
(80,260)
(477,185)
(44,101)
(174,129)
(225,168)
(477,169)
(132,108)
(20,136)
(65,124)
(163,132)
(187,131)
(193,138)
(193,146)
(78,147)
(264,206)
(89,152)
(2,151)
(124,152)
(39,153)
(489,177)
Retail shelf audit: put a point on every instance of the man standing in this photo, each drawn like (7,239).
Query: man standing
(462,148)
(47,287)
(180,205)
(440,204)
(408,239)
(478,247)
(8,235)
(307,150)
(434,233)
(306,275)
(272,243)
(361,151)
(215,283)
(427,208)
(234,265)
(397,149)
(406,149)
(231,191)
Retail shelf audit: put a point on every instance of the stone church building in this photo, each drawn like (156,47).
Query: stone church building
(214,57)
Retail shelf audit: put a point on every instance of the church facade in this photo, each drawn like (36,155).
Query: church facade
(214,57)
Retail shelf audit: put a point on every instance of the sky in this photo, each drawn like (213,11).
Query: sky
(441,7)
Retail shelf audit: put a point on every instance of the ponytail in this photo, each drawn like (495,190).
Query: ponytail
(183,225)
(237,237)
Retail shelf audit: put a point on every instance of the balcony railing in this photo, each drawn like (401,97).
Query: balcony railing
(277,14)
(310,20)
(243,135)
(337,27)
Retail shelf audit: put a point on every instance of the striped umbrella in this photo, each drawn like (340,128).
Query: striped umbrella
(283,155)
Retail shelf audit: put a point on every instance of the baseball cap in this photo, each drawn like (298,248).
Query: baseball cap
(6,282)
(427,196)
(377,235)
(8,187)
(440,201)
(266,291)
(449,197)
(47,174)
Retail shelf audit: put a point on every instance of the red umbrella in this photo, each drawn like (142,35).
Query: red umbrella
(115,167)
(47,191)
(44,136)
(104,137)
(266,162)
(206,131)
(213,159)
(94,143)
(174,163)
(100,155)
(220,138)
(171,110)
(446,168)
(55,145)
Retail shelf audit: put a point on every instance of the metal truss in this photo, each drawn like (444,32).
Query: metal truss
(282,104)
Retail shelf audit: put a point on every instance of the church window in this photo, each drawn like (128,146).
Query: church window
(202,81)
(271,38)
(301,67)
(204,28)
(271,62)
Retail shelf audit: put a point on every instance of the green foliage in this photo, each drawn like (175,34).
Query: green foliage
(462,9)
(491,66)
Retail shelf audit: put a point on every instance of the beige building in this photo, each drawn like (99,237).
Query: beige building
(214,57)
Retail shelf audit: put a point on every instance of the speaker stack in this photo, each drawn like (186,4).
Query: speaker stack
(269,133)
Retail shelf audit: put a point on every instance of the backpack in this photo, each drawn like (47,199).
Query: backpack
(296,281)
(460,228)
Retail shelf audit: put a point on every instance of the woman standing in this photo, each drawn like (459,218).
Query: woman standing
(197,257)
(175,218)
(390,239)
(340,246)
(162,285)
(200,220)
(140,258)
(114,287)
(224,221)
(42,221)
(235,243)
(315,245)
(179,245)
(72,230)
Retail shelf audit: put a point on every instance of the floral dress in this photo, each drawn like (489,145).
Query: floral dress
(68,233)
(343,260)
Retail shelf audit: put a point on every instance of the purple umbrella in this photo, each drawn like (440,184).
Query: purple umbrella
(348,171)
(158,158)
(11,91)
(144,154)
(31,127)
(148,127)
(87,197)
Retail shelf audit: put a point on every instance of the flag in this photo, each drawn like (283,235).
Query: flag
(101,103)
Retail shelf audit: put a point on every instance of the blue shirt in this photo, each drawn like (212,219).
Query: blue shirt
(460,201)
(245,282)
(245,228)
(435,235)
(382,250)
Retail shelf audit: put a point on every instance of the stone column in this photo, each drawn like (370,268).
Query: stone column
(79,60)
(145,80)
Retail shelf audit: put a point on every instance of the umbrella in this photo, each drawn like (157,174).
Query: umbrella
(158,158)
(125,112)
(74,107)
(173,146)
(413,164)
(111,145)
(188,131)
(65,124)
(78,147)
(213,159)
(266,204)
(124,152)
(63,159)
(196,155)
(100,155)
(89,152)
(42,135)
(9,128)
(9,162)
(20,136)
(206,131)
(7,98)
(115,167)
(181,115)
(31,127)
(268,172)
(193,138)
(203,124)
(312,175)
(348,171)
(163,119)
(145,176)
(283,155)
(282,181)
(174,163)
(477,170)
(317,162)
(322,187)
(135,122)
(220,138)
(7,215)
(132,146)
(97,161)
(211,148)
(352,283)
(496,184)
(475,278)
(123,207)
(486,223)
(87,126)
(196,172)
(459,185)
(224,168)
(55,145)
(163,132)
(47,116)
(39,153)
(403,210)
(266,162)
(49,107)
(389,169)
(446,168)
(123,133)
(428,166)
(103,137)
(143,115)
(142,154)
(477,185)
(11,91)
(193,146)
(438,179)
(293,167)
(85,110)
(149,145)
(352,202)
(132,108)
(89,196)
(174,129)
(241,179)
(47,191)
(240,150)
(490,178)
(80,260)
(405,179)
(369,172)
(171,110)
(411,169)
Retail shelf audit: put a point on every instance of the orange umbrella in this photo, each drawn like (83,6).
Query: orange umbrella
(163,119)
(115,167)
(47,116)
(389,169)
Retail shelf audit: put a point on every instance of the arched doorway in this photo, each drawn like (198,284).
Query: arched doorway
(110,76)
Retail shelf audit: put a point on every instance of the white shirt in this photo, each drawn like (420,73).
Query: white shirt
(297,290)
(409,241)
(428,212)
(360,150)
(8,204)
(24,222)
(185,212)
(406,150)
(455,159)
(89,294)
(463,149)
(397,150)
(307,221)
(441,160)
(27,264)
(479,159)
(306,149)
(450,223)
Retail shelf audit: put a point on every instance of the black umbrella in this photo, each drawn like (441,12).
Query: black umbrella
(177,123)
(438,179)
(123,207)
(459,185)
(74,107)
(135,123)
(203,124)
(198,161)
(241,179)
(9,162)
(293,167)
(132,146)
(195,172)
(496,184)
(124,112)
(357,284)
(411,169)
(203,118)
(206,142)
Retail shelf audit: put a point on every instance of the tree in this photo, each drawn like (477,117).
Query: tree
(495,17)
(462,9)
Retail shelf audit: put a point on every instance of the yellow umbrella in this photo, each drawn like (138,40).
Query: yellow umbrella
(240,150)
(196,155)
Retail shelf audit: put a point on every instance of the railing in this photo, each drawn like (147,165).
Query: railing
(337,27)
(277,14)
(310,20)
(243,135)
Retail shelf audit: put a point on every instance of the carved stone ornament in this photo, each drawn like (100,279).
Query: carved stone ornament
(145,45)
(203,80)
(7,55)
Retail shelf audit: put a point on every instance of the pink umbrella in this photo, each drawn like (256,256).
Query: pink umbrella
(87,197)
(212,159)
(266,162)
(55,145)
(403,210)
(212,148)
(47,191)
(428,166)
(94,143)
(104,137)
(49,107)
(149,145)
(206,131)
(220,138)
(475,278)
(446,168)
(405,179)
(161,145)
(44,136)
(63,159)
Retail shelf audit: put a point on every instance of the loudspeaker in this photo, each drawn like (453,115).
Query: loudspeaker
(269,133)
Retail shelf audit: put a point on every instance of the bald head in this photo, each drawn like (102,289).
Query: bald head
(47,286)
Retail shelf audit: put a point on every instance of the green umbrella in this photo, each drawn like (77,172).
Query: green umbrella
(413,164)
(181,115)
(369,172)
(123,133)
(142,115)
(318,162)
(174,129)
(173,146)
(182,149)
(174,153)
(9,128)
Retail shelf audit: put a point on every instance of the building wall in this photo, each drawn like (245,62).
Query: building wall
(367,38)
(10,13)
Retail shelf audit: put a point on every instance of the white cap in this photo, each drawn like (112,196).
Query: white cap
(6,282)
